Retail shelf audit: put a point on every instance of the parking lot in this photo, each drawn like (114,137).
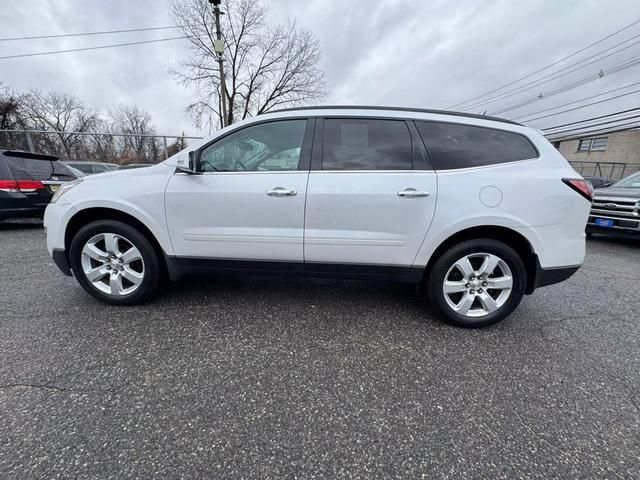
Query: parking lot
(261,377)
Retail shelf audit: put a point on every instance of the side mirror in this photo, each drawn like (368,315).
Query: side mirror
(192,166)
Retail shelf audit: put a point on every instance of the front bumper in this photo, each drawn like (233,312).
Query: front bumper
(55,223)
(61,261)
(628,225)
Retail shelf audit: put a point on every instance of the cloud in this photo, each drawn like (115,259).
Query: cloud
(405,52)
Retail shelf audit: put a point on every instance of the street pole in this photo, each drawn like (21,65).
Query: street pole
(218,46)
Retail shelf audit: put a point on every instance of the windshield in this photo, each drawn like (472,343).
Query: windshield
(632,181)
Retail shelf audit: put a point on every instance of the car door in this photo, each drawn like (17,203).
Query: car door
(248,201)
(371,194)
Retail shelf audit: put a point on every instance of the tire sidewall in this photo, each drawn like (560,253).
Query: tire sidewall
(149,257)
(453,254)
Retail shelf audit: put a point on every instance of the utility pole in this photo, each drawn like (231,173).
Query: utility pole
(218,47)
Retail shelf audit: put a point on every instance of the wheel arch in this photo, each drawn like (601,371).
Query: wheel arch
(514,239)
(88,215)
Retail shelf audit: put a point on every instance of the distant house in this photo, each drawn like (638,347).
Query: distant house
(621,148)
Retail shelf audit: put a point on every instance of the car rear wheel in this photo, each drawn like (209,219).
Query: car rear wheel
(114,262)
(477,283)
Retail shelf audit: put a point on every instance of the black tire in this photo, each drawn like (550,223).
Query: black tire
(152,266)
(436,278)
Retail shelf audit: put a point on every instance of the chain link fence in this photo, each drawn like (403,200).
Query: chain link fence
(612,170)
(127,149)
(118,148)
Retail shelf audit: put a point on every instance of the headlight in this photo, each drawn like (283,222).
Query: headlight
(64,188)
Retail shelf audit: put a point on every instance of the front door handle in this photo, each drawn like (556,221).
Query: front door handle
(412,193)
(281,192)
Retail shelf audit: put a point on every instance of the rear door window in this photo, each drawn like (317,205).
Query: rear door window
(366,144)
(452,145)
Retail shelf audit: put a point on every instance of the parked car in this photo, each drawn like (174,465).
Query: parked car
(135,165)
(599,182)
(479,210)
(28,181)
(89,168)
(617,208)
(76,172)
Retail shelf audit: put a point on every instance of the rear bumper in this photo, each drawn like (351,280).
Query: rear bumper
(543,277)
(16,204)
(21,212)
(61,261)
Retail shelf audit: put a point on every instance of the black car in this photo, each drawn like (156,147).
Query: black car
(617,208)
(28,181)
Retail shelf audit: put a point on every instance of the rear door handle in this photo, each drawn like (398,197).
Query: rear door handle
(281,192)
(412,193)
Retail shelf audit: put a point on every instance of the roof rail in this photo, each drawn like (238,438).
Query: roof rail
(395,109)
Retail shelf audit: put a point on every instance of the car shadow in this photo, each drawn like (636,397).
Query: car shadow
(615,238)
(21,224)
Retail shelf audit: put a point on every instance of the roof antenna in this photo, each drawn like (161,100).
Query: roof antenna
(484,114)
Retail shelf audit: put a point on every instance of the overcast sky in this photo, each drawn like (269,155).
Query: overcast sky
(429,54)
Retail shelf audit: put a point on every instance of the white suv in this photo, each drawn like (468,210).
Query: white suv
(477,209)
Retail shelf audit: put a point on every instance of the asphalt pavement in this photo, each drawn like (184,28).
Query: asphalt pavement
(261,377)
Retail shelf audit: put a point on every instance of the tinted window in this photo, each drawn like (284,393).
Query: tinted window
(30,169)
(83,167)
(461,146)
(100,169)
(272,146)
(363,144)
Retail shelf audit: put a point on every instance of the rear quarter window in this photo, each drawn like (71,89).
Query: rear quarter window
(5,174)
(451,145)
(32,169)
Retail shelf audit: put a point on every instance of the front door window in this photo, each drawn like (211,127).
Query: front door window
(273,146)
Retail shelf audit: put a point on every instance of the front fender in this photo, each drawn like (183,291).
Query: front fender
(153,219)
(137,193)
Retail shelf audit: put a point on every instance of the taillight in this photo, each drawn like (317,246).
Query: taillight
(30,185)
(8,186)
(24,186)
(581,186)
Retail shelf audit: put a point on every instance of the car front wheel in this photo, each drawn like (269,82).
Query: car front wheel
(477,283)
(114,262)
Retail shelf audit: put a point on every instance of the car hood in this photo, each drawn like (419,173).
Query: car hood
(618,192)
(130,172)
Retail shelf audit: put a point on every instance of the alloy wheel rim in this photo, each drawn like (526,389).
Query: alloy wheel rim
(477,285)
(113,264)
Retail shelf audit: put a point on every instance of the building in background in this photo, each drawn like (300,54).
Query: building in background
(614,155)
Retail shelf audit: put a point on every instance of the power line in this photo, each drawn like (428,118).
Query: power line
(608,122)
(541,81)
(591,133)
(548,66)
(37,37)
(632,62)
(577,101)
(593,118)
(580,107)
(90,48)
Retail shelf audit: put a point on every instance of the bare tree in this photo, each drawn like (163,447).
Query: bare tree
(61,113)
(11,109)
(265,67)
(130,119)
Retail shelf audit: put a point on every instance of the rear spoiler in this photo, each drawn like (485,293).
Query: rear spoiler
(34,156)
